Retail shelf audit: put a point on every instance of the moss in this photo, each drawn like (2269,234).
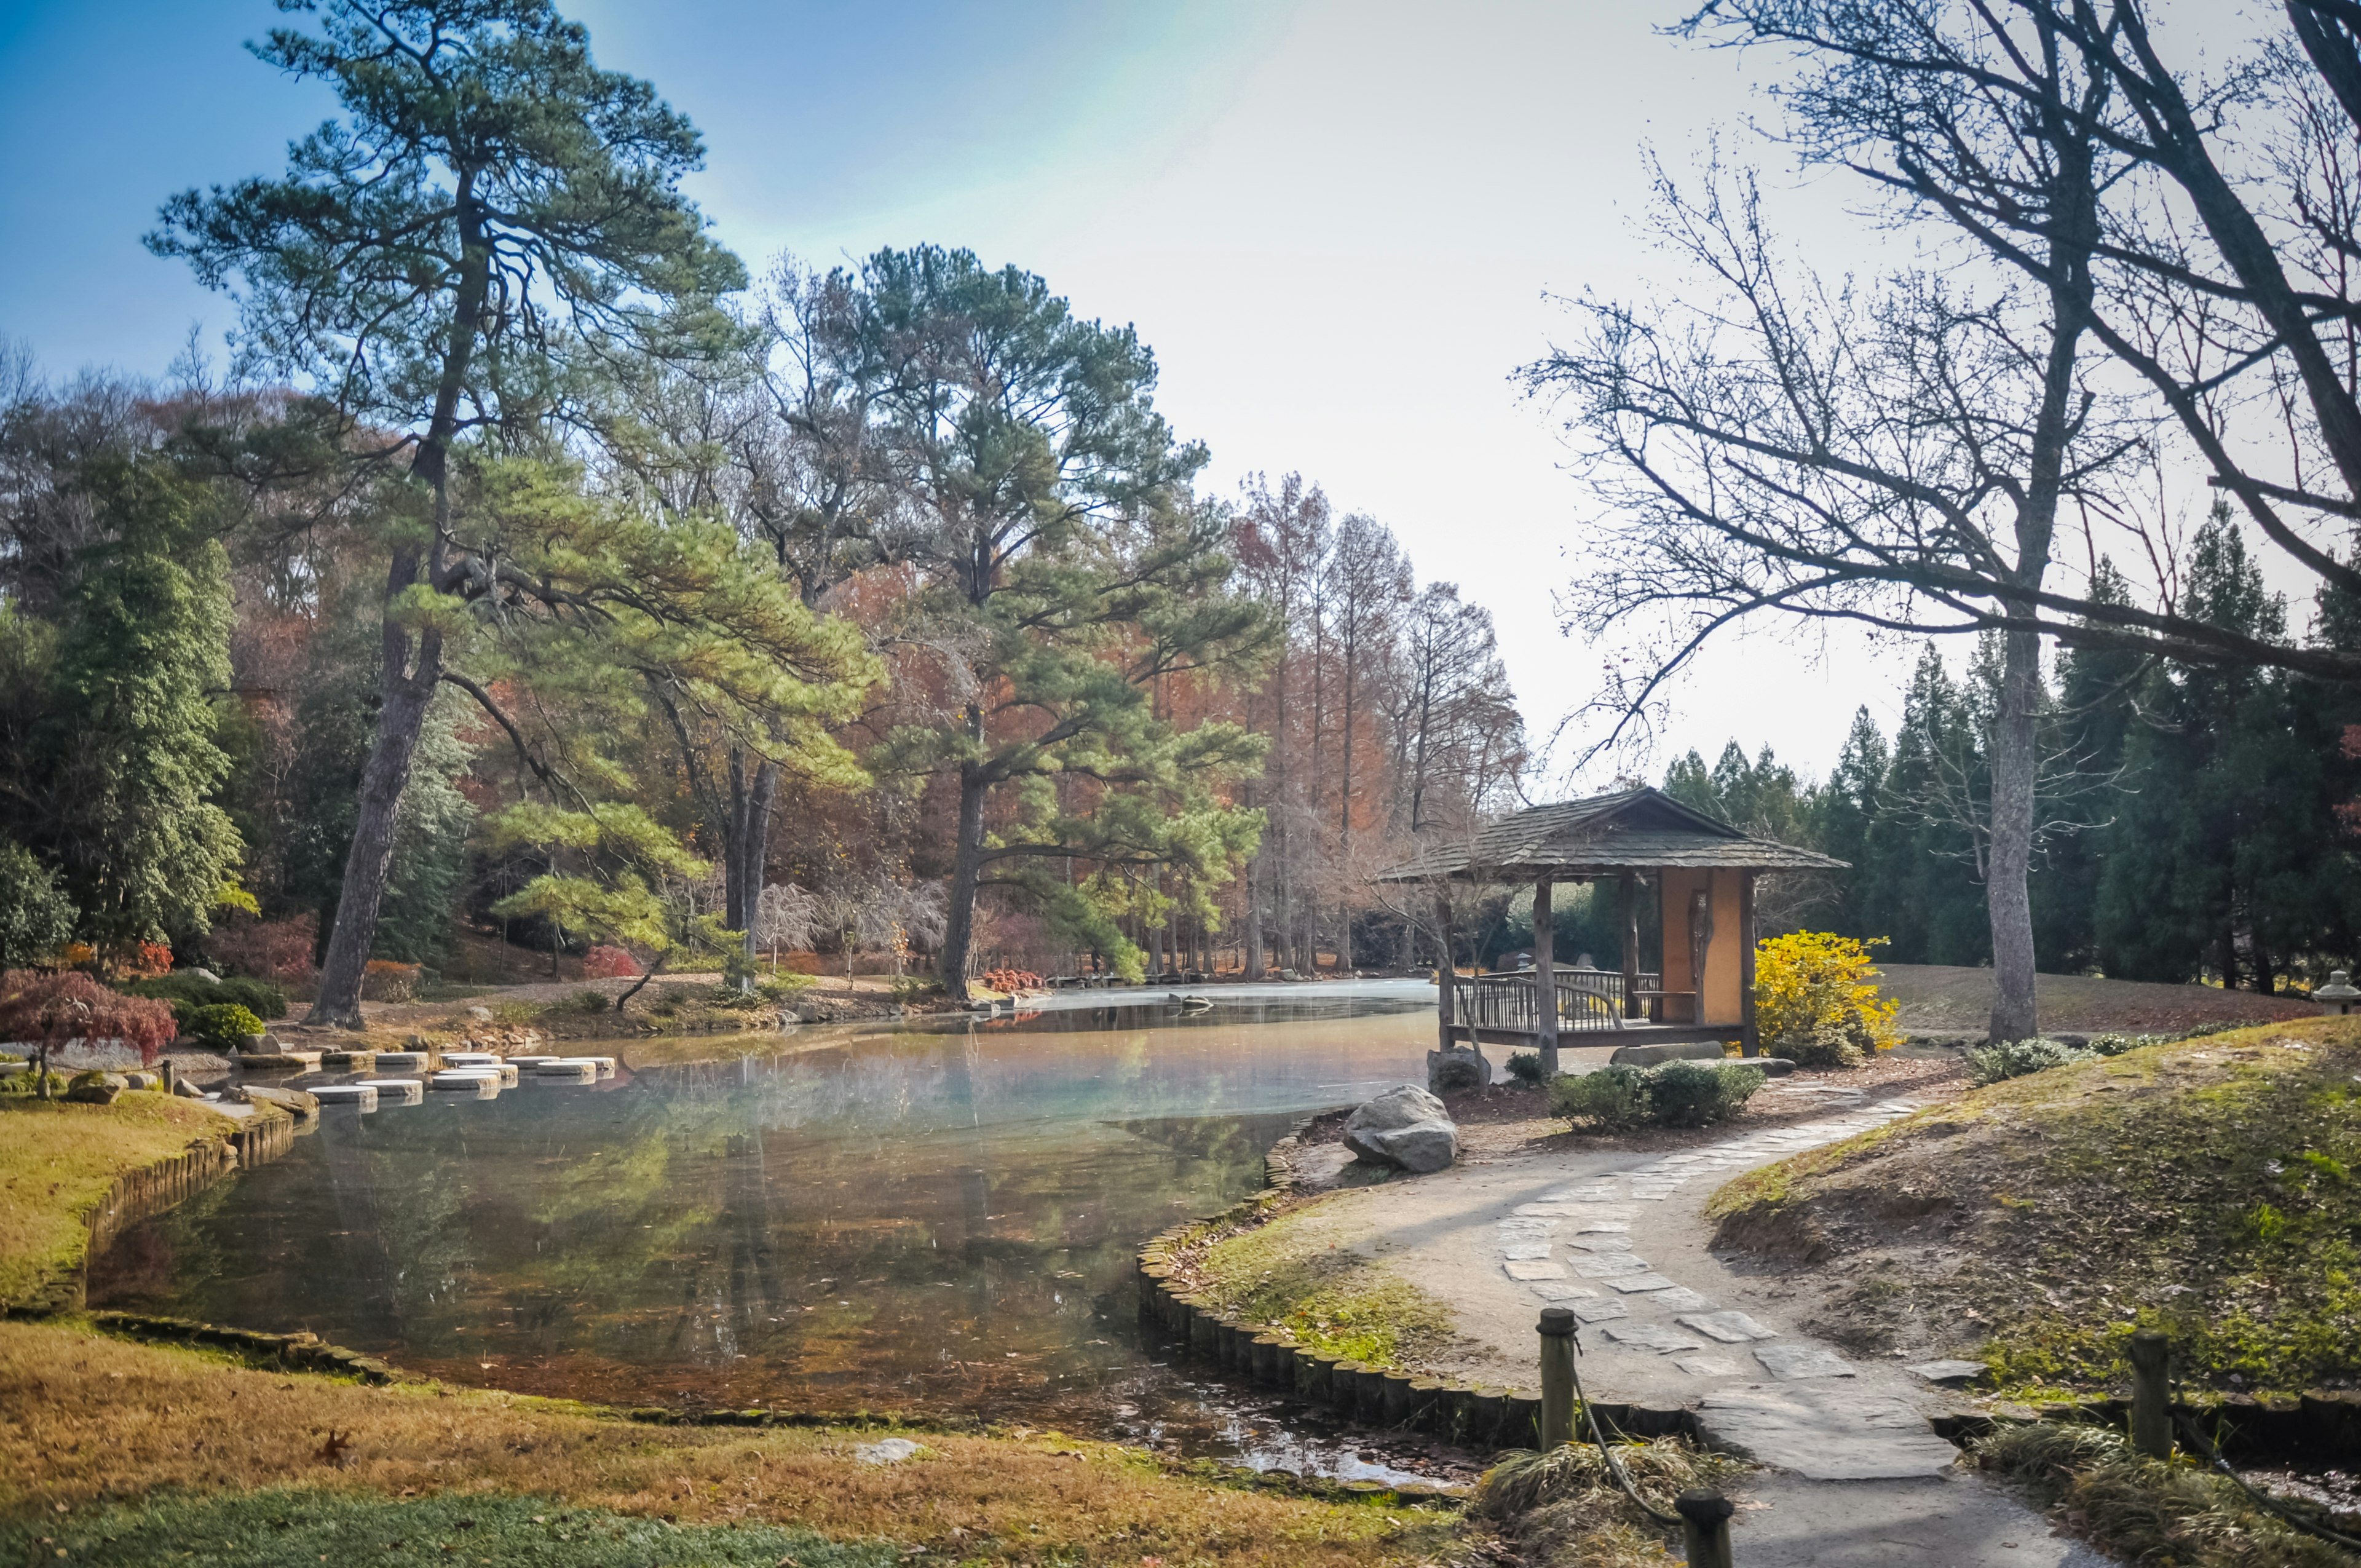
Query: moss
(1293,1274)
(2199,1188)
(59,1161)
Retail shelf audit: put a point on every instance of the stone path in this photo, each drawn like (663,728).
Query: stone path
(1855,1476)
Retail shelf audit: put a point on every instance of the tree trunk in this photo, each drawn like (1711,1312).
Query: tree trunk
(967,865)
(748,852)
(370,859)
(2007,895)
(1253,917)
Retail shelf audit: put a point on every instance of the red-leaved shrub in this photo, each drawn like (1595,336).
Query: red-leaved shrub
(47,1010)
(603,963)
(276,950)
(1011,980)
(386,980)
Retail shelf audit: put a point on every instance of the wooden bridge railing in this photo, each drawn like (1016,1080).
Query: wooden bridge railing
(1588,1001)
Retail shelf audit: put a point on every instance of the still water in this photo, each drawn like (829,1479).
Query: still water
(880,1217)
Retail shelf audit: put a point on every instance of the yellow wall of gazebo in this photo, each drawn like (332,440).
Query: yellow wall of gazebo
(1723,992)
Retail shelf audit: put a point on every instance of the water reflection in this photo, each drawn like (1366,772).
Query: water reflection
(922,1220)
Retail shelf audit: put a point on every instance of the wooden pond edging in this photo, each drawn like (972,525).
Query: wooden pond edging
(1480,1417)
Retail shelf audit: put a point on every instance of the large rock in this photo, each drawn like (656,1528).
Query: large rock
(94,1088)
(1405,1127)
(295,1101)
(1656,1056)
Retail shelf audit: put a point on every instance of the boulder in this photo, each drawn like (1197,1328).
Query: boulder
(1405,1127)
(208,976)
(293,1101)
(1655,1055)
(94,1088)
(187,1091)
(480,1015)
(265,1046)
(1772,1067)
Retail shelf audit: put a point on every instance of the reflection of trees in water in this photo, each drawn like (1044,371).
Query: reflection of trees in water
(884,1223)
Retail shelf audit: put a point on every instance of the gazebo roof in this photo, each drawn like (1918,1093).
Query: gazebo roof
(1629,830)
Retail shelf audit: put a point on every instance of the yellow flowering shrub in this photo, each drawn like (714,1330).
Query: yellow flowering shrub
(1817,1002)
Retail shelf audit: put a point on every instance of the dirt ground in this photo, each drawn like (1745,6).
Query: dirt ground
(1941,999)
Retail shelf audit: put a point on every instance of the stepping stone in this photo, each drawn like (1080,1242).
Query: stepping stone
(570,1070)
(1730,1328)
(1825,1434)
(1950,1373)
(1602,1227)
(529,1063)
(1543,1211)
(1561,1291)
(1597,1192)
(1707,1366)
(396,1090)
(1793,1360)
(1522,1251)
(1630,1283)
(1599,1312)
(1524,1227)
(1657,1337)
(470,1059)
(1606,1266)
(401,1061)
(1602,1243)
(1679,1298)
(1534,1268)
(356,1094)
(472,1080)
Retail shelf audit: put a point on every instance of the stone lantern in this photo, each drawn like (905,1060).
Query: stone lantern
(2338,996)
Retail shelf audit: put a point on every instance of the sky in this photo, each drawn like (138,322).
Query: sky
(1342,224)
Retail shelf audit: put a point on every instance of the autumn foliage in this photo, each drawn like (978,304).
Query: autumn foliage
(47,1010)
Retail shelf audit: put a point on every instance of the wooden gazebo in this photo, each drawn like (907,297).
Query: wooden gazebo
(1705,872)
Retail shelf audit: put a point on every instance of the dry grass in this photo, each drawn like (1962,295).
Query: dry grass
(1942,997)
(89,1418)
(1299,1272)
(1564,1507)
(59,1161)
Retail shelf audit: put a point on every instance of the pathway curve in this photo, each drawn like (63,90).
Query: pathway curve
(1855,1477)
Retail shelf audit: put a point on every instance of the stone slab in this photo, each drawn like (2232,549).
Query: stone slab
(1950,1373)
(1602,1243)
(396,1090)
(1534,1268)
(1707,1366)
(1602,1227)
(1606,1265)
(401,1061)
(1659,1337)
(1632,1283)
(1600,1310)
(1795,1360)
(1825,1435)
(356,1094)
(1730,1328)
(1561,1290)
(1517,1251)
(1679,1298)
(1963,1521)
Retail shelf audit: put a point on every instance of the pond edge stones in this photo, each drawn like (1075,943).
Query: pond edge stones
(1405,1127)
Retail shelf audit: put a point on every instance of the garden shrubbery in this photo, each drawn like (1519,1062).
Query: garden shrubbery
(1816,1000)
(224,1026)
(2014,1059)
(1525,1066)
(188,992)
(1677,1094)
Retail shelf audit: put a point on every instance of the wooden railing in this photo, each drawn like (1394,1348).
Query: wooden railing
(1588,1001)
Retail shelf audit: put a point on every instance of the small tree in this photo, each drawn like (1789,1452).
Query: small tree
(47,1010)
(35,918)
(616,877)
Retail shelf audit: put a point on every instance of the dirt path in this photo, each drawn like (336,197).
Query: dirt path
(1855,1475)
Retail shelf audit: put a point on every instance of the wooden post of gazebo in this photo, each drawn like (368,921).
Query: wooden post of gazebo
(1545,978)
(1444,970)
(1627,888)
(1751,1043)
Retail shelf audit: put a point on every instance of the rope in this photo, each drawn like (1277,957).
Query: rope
(2270,1504)
(1598,1433)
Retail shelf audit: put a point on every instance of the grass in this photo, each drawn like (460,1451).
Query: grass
(94,1420)
(59,1161)
(2147,1510)
(294,1528)
(1291,1273)
(2202,1188)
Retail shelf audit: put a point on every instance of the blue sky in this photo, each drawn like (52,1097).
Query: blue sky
(1336,220)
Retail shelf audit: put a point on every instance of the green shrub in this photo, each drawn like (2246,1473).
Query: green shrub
(187,993)
(225,1025)
(1612,1097)
(2014,1059)
(1677,1094)
(1525,1066)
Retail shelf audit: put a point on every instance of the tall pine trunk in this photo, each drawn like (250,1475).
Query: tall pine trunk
(409,686)
(967,866)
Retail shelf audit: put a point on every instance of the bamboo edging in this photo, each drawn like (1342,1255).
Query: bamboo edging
(1481,1417)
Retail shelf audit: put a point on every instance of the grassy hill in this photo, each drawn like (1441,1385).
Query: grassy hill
(2204,1188)
(1938,998)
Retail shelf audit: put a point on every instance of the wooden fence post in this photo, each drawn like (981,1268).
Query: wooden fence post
(1558,1377)
(2151,1396)
(1705,1526)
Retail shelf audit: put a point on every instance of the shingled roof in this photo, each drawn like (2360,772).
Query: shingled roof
(1629,830)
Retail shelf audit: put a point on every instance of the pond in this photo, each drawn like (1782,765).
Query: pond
(926,1219)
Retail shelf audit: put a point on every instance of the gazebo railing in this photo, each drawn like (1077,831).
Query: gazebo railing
(1588,1001)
